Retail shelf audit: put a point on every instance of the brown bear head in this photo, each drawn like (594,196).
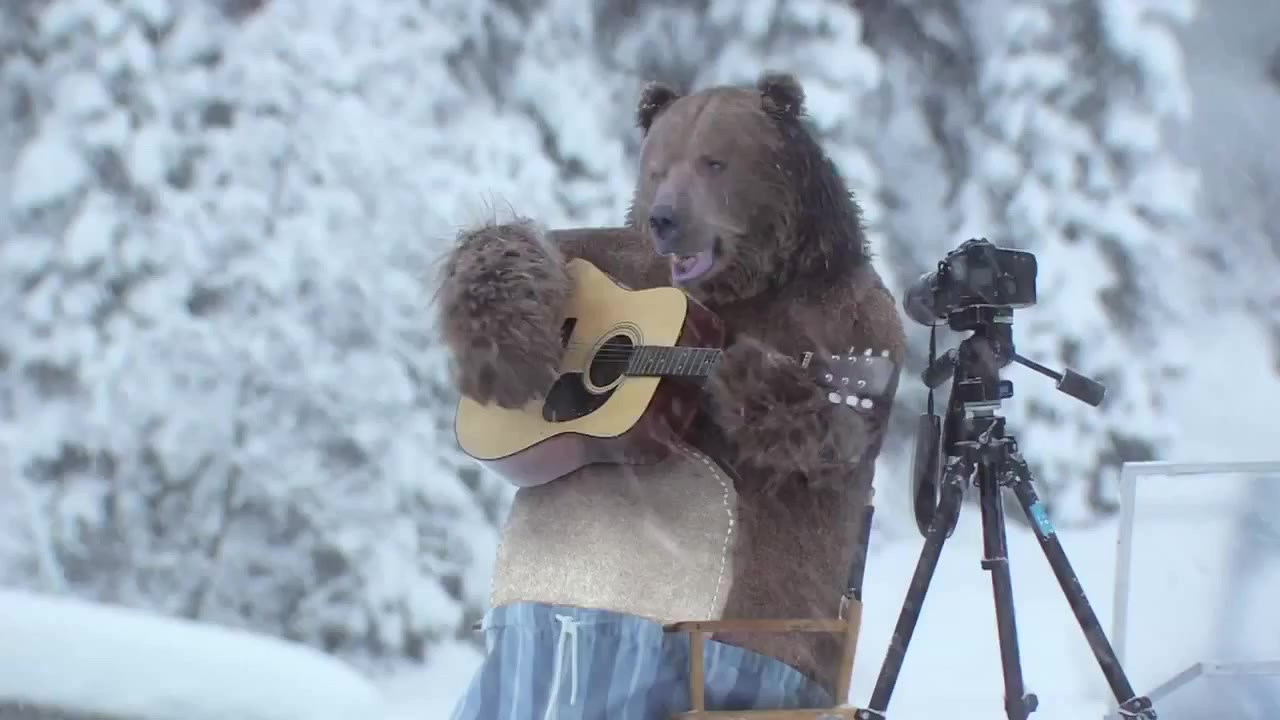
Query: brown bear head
(736,190)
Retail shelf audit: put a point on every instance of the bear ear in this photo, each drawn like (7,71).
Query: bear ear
(653,99)
(781,93)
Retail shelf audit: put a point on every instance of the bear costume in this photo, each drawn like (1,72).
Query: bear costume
(755,512)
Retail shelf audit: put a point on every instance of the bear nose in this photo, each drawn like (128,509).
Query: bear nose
(662,222)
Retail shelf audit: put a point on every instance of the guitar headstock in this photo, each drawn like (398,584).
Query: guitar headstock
(858,379)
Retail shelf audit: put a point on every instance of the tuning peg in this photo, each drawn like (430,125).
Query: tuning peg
(884,353)
(867,352)
(867,403)
(851,400)
(834,397)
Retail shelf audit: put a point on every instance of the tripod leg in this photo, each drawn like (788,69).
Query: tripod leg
(1131,705)
(1017,704)
(955,476)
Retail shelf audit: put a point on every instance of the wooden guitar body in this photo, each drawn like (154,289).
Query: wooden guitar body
(596,412)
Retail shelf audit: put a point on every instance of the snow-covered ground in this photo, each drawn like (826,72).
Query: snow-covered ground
(128,665)
(131,665)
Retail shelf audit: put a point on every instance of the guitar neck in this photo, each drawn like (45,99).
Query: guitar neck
(851,377)
(665,361)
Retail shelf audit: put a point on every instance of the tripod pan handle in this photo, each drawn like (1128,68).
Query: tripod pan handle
(1086,390)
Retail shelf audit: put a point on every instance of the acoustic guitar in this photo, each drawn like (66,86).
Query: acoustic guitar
(629,384)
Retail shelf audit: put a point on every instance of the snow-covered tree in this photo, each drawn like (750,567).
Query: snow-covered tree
(1048,117)
(221,399)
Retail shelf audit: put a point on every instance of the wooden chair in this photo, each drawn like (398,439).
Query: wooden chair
(848,624)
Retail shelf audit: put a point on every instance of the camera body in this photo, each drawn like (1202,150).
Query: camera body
(977,273)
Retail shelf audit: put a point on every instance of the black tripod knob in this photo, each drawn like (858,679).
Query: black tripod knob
(1085,389)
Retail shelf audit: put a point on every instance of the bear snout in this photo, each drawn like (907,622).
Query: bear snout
(665,228)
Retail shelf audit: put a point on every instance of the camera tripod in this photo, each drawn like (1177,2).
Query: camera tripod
(976,446)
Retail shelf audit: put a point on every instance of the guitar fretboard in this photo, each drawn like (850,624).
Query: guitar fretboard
(660,360)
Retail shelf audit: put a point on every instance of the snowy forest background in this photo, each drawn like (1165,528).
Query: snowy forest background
(220,393)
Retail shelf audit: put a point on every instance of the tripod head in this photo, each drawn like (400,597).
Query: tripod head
(977,392)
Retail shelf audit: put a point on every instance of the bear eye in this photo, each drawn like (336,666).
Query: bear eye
(712,165)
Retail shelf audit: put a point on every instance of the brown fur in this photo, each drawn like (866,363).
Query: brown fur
(793,275)
(503,302)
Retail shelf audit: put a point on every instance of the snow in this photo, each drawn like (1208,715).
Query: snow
(51,169)
(432,690)
(88,238)
(157,14)
(126,664)
(150,155)
(82,95)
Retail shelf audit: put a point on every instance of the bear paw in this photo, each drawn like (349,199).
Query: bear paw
(779,421)
(502,300)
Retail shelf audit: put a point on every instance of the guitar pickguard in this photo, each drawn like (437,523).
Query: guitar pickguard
(569,399)
(577,394)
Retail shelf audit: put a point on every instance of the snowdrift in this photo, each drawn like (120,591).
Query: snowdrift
(120,663)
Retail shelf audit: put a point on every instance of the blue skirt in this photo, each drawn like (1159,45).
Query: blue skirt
(546,662)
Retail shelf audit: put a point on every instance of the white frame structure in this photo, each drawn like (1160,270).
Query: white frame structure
(1130,473)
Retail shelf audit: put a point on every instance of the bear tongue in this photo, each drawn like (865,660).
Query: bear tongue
(689,267)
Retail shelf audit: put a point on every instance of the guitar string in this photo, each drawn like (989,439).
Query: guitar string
(632,348)
(618,352)
(612,355)
(625,354)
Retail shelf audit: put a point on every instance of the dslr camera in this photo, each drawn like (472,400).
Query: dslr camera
(976,273)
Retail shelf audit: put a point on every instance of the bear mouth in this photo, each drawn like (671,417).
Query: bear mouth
(687,268)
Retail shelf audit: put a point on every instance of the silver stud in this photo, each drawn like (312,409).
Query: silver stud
(828,377)
(861,383)
(844,381)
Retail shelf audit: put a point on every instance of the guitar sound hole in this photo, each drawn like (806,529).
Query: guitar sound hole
(569,399)
(610,360)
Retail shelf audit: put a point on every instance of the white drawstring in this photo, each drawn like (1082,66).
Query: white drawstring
(568,627)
